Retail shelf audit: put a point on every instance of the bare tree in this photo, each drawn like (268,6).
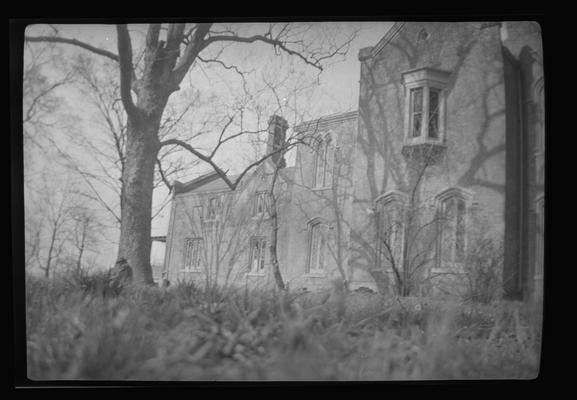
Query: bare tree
(106,153)
(56,207)
(84,233)
(163,66)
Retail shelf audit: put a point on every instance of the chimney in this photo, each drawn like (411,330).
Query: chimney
(277,127)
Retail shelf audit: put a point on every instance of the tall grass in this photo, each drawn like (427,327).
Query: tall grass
(183,333)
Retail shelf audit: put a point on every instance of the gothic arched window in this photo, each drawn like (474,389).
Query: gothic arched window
(324,155)
(390,230)
(452,210)
(318,235)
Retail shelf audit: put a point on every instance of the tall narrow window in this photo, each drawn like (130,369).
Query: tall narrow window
(257,254)
(539,241)
(325,152)
(212,208)
(193,254)
(433,114)
(390,231)
(319,165)
(317,247)
(540,115)
(260,204)
(452,218)
(416,111)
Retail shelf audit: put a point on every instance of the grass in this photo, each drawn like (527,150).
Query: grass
(183,333)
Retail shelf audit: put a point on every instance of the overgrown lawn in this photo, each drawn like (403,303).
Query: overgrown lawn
(184,333)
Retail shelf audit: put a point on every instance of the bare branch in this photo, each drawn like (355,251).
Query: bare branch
(162,176)
(265,39)
(126,69)
(217,169)
(74,42)
(194,47)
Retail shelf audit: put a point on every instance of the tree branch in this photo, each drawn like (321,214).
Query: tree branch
(162,176)
(73,42)
(126,69)
(217,169)
(265,39)
(193,48)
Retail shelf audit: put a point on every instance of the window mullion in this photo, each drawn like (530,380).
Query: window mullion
(425,123)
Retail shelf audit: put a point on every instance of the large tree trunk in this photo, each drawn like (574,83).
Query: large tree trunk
(136,205)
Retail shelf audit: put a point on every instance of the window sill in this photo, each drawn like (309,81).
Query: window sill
(191,271)
(423,149)
(449,269)
(257,274)
(260,217)
(315,275)
(321,188)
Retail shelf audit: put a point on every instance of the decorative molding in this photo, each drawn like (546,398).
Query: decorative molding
(391,33)
(392,195)
(425,76)
(326,122)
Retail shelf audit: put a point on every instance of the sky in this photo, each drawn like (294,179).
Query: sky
(308,94)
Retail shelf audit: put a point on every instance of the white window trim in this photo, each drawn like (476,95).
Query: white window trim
(427,79)
(440,265)
(327,163)
(316,272)
(381,202)
(264,213)
(251,271)
(539,101)
(217,209)
(186,267)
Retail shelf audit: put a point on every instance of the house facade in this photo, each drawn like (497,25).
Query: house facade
(437,177)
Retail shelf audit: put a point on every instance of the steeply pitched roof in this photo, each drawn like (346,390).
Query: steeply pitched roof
(326,122)
(179,187)
(212,182)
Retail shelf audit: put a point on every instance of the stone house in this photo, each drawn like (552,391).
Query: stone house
(445,152)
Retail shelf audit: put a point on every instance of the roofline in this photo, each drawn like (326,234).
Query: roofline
(326,121)
(367,53)
(180,187)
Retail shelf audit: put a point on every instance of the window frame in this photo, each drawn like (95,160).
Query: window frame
(452,194)
(428,80)
(539,93)
(188,264)
(262,245)
(381,203)
(318,230)
(324,154)
(215,209)
(539,212)
(262,196)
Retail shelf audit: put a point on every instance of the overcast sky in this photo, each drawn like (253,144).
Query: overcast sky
(334,91)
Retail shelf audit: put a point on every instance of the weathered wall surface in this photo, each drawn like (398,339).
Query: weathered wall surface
(522,45)
(226,255)
(491,147)
(475,124)
(329,204)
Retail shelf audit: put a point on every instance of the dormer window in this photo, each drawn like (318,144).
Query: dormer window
(425,105)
